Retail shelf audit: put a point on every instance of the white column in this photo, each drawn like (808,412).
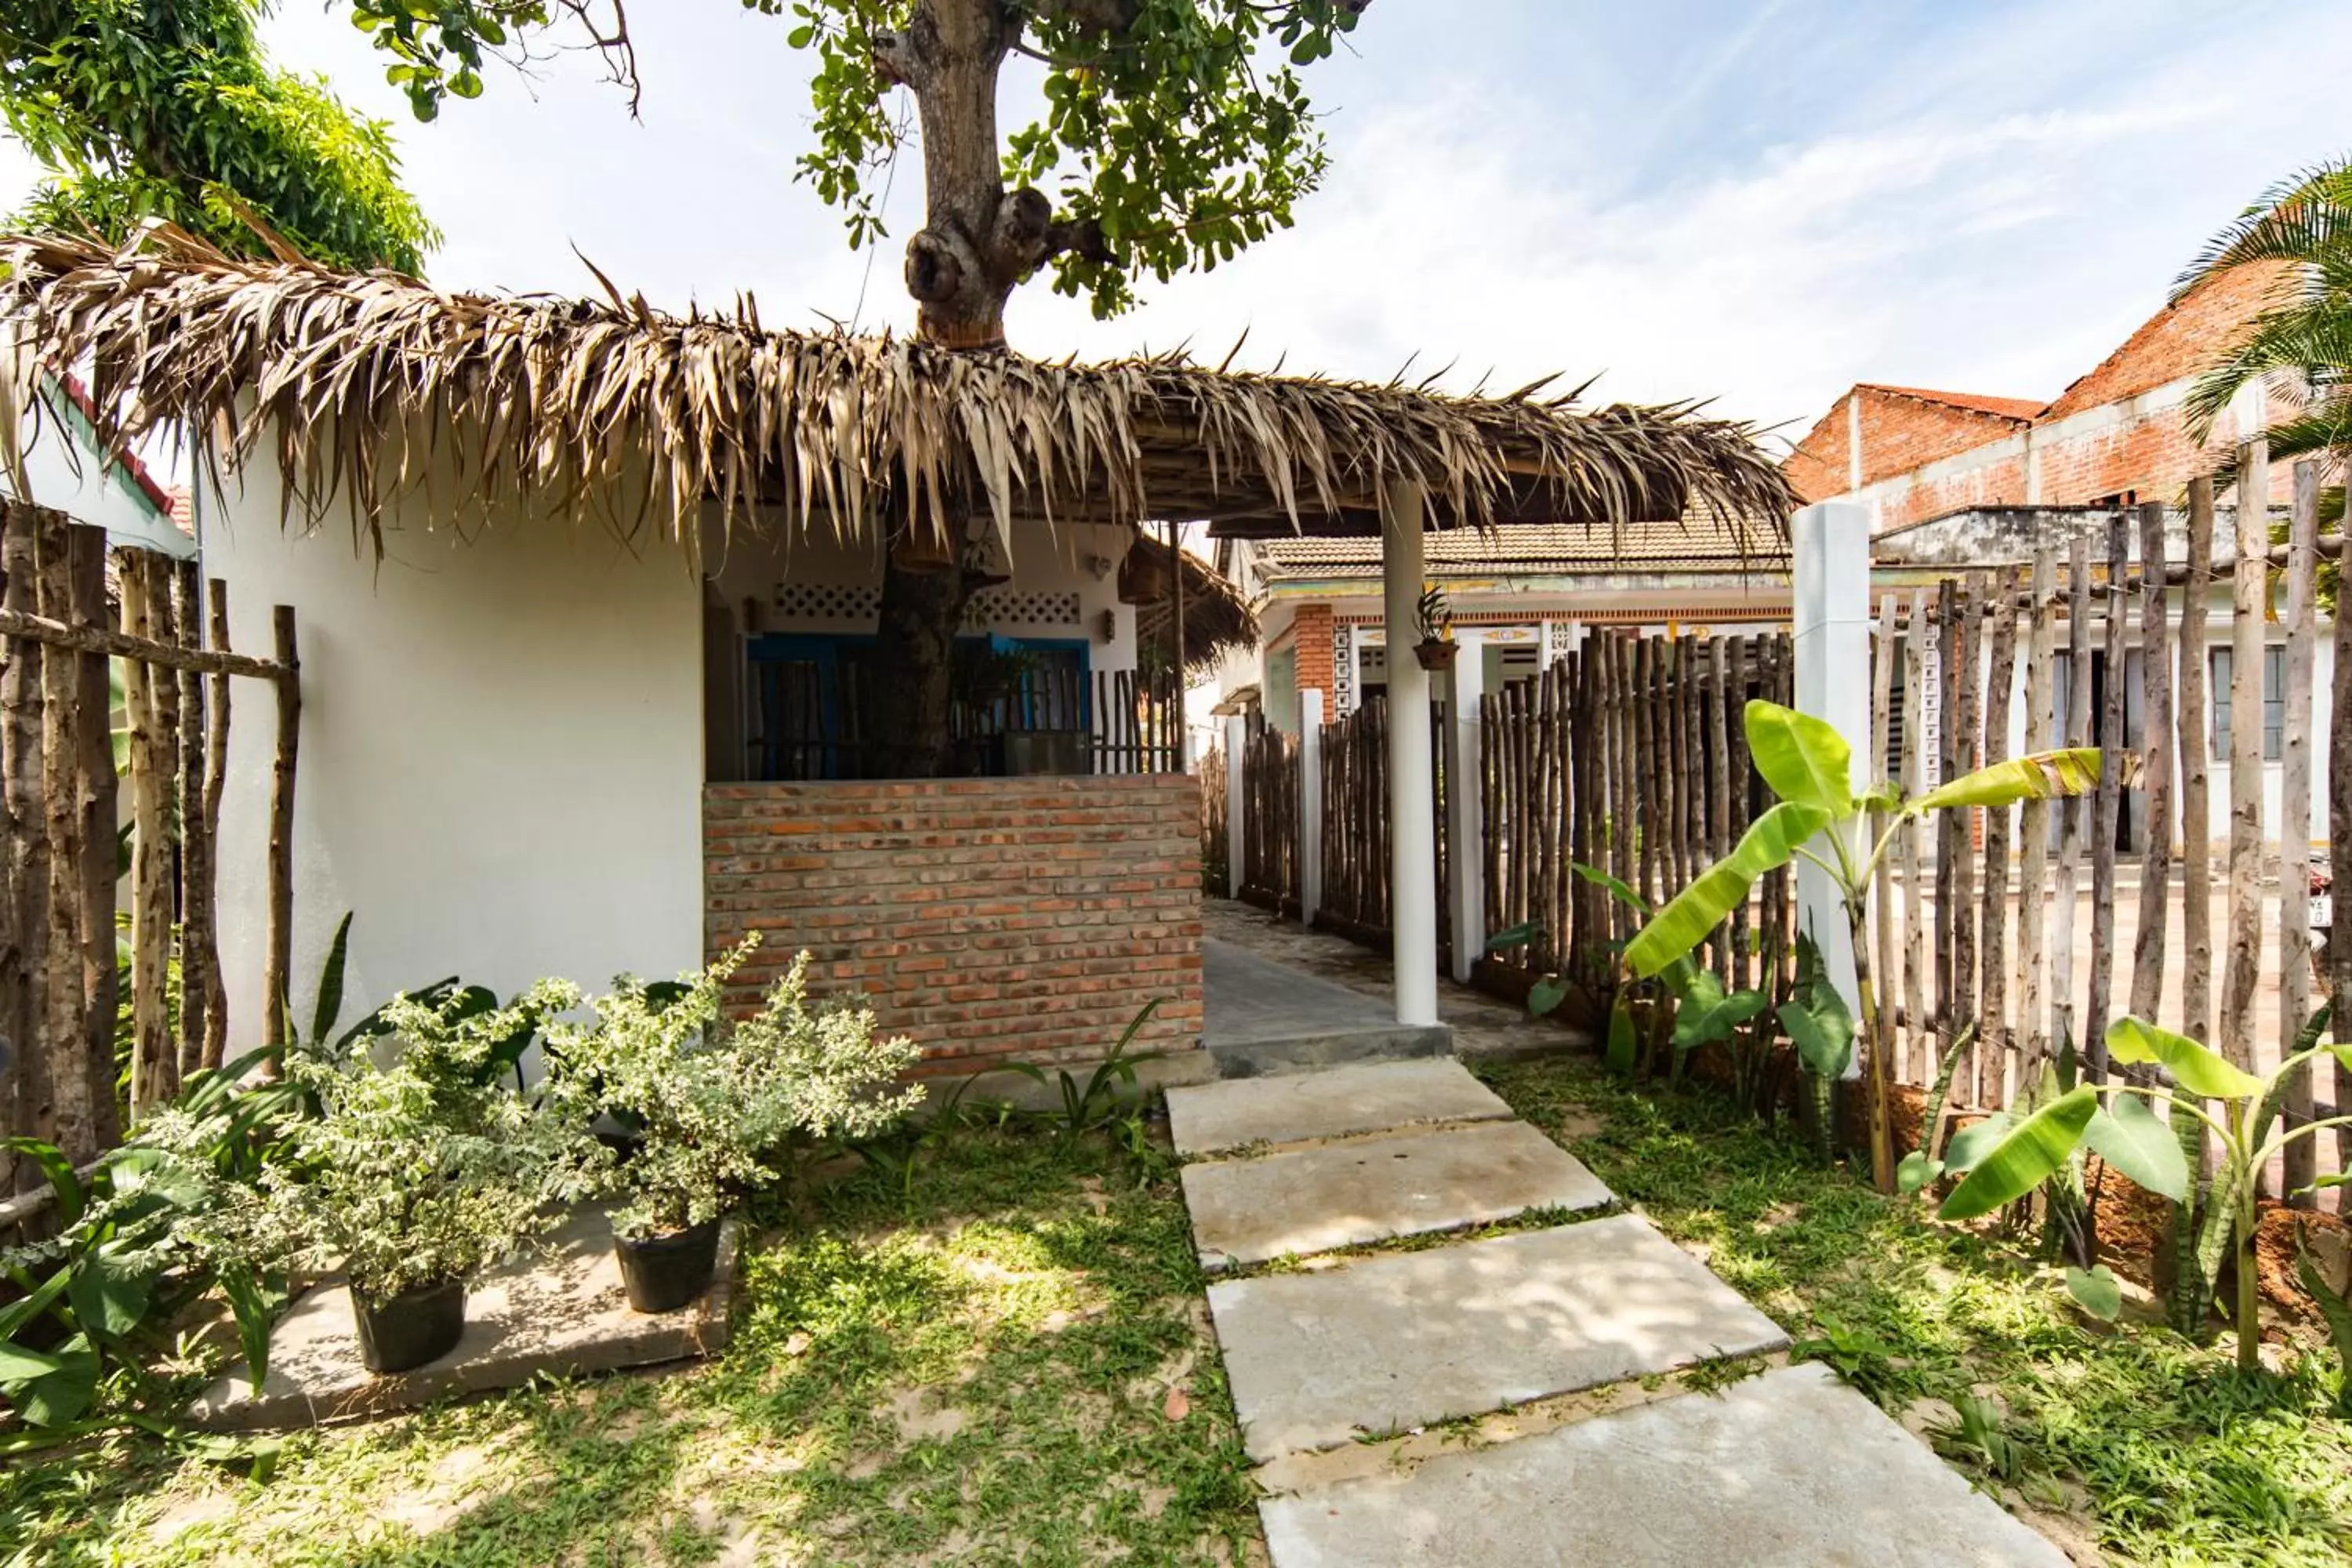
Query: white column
(1465,856)
(1413,808)
(1831,546)
(1236,742)
(1310,804)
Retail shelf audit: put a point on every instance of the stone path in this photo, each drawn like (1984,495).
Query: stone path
(1327,1353)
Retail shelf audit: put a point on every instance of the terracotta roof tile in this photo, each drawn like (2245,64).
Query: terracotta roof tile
(2021,409)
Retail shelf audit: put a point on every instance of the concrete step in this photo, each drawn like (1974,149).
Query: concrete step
(1373,1189)
(1374,1096)
(1262,1018)
(1390,1344)
(1789,1469)
(1276,1054)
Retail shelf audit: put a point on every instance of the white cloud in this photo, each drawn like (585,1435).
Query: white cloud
(1757,205)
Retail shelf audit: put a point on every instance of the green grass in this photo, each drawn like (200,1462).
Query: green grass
(2157,1446)
(987,1383)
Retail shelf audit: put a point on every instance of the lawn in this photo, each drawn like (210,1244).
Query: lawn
(1022,1372)
(1010,1361)
(2123,1439)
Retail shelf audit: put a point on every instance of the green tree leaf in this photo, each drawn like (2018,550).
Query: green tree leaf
(1546,995)
(2200,1071)
(1770,842)
(1822,1033)
(1804,759)
(2129,1135)
(2097,1290)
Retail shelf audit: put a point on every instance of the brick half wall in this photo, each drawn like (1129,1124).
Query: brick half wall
(991,919)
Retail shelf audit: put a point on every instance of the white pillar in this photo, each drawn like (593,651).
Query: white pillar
(1236,742)
(1831,546)
(1465,856)
(1310,804)
(1413,808)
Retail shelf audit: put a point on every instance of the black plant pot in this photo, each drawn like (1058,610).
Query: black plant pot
(663,1273)
(408,1329)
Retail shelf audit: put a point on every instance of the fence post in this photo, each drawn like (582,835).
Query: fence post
(1310,804)
(1236,800)
(1413,810)
(1831,550)
(1465,829)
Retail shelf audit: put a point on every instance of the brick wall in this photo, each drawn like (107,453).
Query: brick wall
(989,919)
(1312,626)
(1900,432)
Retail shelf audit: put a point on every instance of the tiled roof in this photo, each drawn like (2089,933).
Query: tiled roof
(1556,550)
(2019,408)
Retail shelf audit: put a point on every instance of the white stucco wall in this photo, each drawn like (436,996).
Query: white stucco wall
(64,470)
(502,753)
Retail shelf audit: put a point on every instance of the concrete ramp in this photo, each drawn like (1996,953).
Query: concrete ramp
(1262,1018)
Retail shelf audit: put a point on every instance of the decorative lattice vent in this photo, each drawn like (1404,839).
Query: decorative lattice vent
(831,603)
(1008,608)
(859,602)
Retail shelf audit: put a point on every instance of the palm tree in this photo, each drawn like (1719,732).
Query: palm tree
(2300,346)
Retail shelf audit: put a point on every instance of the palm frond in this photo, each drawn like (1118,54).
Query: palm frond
(2304,350)
(2302,219)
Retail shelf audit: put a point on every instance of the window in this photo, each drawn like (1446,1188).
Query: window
(2273,704)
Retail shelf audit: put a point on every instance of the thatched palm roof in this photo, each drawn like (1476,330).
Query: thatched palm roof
(360,384)
(1216,618)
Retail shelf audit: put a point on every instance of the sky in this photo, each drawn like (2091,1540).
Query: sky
(1757,204)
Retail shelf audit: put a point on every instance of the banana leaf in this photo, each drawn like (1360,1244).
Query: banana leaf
(2199,1069)
(2129,1136)
(2043,775)
(1769,843)
(1804,759)
(2032,1152)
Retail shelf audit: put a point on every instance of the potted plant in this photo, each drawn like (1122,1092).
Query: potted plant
(718,1106)
(422,1166)
(1433,620)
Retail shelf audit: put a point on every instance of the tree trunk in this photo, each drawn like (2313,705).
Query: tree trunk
(977,244)
(906,699)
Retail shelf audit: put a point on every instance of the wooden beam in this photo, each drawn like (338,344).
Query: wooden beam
(54,633)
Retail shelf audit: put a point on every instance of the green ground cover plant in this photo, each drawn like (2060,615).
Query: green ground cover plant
(2120,1438)
(1024,1376)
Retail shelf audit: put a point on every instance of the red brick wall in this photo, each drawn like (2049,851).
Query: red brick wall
(1899,433)
(1312,626)
(2183,339)
(989,919)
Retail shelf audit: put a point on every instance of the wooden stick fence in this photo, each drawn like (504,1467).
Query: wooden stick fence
(58,840)
(2113,650)
(1270,786)
(1628,755)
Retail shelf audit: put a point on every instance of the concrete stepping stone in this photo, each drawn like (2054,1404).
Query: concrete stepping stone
(1369,1096)
(1789,1469)
(1344,1195)
(1405,1341)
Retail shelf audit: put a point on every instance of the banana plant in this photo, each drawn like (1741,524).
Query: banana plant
(1819,817)
(2129,1134)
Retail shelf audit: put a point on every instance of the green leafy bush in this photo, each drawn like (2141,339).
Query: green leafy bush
(420,1166)
(162,1222)
(719,1105)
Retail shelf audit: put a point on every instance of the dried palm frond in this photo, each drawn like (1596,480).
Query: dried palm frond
(371,388)
(1216,620)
